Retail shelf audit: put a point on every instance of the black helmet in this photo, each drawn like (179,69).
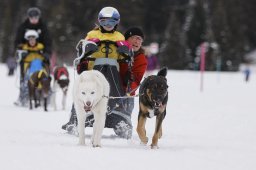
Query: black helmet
(33,12)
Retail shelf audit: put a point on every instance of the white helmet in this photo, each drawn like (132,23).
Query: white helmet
(31,33)
(109,17)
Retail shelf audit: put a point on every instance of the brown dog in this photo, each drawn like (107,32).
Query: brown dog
(40,81)
(152,102)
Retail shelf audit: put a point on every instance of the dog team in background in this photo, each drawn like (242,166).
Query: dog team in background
(110,68)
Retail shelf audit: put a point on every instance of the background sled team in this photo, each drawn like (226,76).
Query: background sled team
(120,58)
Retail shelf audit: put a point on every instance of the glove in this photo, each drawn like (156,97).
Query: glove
(127,54)
(46,58)
(123,47)
(23,55)
(85,48)
(124,43)
(82,66)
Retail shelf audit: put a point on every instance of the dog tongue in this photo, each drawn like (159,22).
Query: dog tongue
(87,109)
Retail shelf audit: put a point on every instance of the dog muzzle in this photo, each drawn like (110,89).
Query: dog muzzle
(65,89)
(157,105)
(87,106)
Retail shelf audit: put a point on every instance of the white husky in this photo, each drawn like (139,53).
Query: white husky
(90,94)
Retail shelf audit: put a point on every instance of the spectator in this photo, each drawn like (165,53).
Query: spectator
(152,59)
(11,64)
(247,73)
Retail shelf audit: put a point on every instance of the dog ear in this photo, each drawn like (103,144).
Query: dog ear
(162,72)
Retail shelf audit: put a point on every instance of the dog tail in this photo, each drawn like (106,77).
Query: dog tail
(162,72)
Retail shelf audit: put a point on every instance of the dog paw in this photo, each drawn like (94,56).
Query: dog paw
(145,140)
(81,143)
(154,146)
(143,144)
(95,144)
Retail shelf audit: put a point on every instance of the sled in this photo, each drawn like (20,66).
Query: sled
(25,72)
(118,115)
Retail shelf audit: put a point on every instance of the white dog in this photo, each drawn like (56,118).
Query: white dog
(61,81)
(90,94)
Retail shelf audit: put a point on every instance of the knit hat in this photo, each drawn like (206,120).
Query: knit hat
(133,31)
(33,12)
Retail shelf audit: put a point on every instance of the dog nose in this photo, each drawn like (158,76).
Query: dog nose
(88,103)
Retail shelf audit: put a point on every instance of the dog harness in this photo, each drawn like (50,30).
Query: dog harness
(39,86)
(61,71)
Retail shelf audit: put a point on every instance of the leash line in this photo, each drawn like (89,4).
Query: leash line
(121,97)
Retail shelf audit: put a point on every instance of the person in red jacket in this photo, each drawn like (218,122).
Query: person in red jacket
(132,73)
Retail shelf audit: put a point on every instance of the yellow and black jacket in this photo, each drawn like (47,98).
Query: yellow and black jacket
(102,51)
(33,53)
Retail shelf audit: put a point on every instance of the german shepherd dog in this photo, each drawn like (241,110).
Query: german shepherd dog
(39,81)
(152,102)
(61,81)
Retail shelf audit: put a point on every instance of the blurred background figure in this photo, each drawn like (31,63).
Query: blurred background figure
(33,51)
(152,60)
(247,73)
(34,22)
(11,64)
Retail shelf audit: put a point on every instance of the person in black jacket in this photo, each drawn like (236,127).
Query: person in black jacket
(34,22)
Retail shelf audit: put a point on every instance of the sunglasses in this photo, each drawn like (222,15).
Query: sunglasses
(31,37)
(108,22)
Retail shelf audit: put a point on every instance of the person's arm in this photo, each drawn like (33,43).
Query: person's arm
(19,39)
(46,39)
(138,69)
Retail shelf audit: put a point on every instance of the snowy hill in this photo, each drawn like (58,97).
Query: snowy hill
(210,130)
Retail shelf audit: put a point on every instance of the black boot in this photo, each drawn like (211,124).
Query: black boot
(72,123)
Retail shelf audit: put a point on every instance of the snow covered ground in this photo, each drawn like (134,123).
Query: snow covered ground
(210,130)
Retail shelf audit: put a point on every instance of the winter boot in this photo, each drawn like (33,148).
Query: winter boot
(121,123)
(72,123)
(123,130)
